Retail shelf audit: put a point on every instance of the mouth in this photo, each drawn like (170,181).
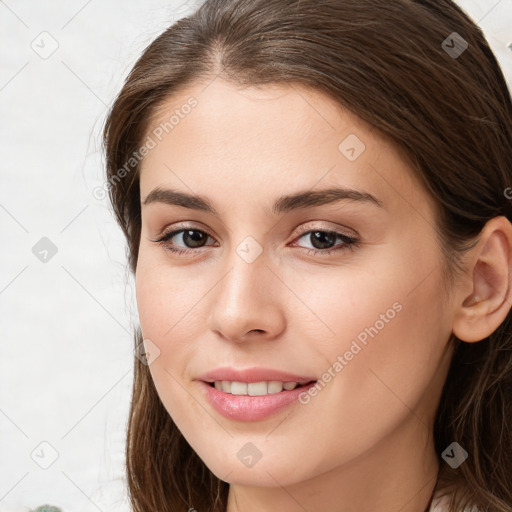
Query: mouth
(255,393)
(254,401)
(261,388)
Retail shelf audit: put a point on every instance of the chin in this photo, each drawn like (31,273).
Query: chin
(236,467)
(262,476)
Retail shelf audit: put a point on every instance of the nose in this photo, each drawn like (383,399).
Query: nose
(246,303)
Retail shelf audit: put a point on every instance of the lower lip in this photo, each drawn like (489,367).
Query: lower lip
(251,408)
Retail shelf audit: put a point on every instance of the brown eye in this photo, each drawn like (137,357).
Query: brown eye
(193,238)
(190,239)
(323,241)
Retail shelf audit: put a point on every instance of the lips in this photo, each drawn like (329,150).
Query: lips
(282,390)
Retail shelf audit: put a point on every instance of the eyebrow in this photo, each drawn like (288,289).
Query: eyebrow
(284,204)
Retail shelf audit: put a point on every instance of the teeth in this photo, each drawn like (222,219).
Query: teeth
(254,388)
(275,386)
(239,388)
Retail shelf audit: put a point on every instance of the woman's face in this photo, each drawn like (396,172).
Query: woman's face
(366,321)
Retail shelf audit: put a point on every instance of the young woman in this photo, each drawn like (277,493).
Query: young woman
(316,200)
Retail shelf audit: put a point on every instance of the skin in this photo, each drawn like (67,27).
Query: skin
(364,443)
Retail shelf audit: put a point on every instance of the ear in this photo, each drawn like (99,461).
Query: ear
(481,312)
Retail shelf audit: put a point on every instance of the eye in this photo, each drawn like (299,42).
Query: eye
(196,238)
(193,239)
(323,240)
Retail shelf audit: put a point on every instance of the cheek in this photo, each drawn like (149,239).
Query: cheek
(172,304)
(166,299)
(391,348)
(377,339)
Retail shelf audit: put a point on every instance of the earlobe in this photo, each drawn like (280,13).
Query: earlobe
(483,310)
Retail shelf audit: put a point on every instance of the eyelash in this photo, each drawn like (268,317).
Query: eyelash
(349,243)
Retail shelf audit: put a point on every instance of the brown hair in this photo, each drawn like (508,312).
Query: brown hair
(449,114)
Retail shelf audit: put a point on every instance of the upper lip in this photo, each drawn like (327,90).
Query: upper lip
(255,374)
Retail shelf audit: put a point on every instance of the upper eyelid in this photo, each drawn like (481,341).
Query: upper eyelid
(307,227)
(302,228)
(172,232)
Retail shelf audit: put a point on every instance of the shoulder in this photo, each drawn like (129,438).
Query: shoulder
(440,504)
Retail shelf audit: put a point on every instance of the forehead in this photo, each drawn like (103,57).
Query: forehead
(266,140)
